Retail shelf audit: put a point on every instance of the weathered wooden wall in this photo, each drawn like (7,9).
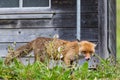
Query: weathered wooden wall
(107,27)
(89,20)
(112,27)
(61,20)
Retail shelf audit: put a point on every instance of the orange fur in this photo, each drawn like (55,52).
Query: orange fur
(87,49)
(49,47)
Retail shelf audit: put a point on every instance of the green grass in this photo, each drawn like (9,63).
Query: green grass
(40,71)
(118,28)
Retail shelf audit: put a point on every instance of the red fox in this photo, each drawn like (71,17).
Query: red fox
(56,48)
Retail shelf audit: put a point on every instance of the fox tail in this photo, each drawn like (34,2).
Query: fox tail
(20,52)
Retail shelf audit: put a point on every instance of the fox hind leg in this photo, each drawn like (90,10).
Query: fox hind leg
(39,55)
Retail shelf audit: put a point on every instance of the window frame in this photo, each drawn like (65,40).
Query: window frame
(23,12)
(21,6)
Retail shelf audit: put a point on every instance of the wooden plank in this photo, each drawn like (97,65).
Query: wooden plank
(68,5)
(7,23)
(65,16)
(54,23)
(25,35)
(89,6)
(26,16)
(88,20)
(89,9)
(89,2)
(112,27)
(90,34)
(59,20)
(102,26)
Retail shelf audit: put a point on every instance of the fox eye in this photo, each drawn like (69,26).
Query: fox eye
(91,52)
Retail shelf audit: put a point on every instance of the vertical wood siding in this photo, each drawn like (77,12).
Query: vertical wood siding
(112,27)
(107,27)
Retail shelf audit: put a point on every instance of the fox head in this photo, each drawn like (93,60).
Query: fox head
(87,49)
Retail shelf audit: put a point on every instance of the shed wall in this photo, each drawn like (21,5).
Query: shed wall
(62,22)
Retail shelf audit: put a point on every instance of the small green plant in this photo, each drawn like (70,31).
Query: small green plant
(41,71)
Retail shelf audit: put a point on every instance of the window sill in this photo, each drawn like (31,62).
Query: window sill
(25,14)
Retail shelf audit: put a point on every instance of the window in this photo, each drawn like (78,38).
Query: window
(9,3)
(25,9)
(25,3)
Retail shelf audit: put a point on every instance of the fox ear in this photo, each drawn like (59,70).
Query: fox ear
(94,44)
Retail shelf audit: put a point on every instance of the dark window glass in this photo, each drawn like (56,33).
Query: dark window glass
(9,3)
(35,3)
